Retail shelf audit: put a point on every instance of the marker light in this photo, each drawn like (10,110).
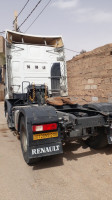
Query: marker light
(44,127)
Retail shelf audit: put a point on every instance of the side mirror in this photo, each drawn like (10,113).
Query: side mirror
(0,74)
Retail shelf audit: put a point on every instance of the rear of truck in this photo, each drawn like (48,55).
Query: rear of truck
(37,105)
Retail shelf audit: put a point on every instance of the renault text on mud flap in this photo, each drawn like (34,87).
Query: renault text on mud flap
(45,150)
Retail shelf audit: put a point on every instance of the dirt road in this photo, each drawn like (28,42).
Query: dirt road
(79,174)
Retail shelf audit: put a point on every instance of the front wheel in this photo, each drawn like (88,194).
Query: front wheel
(8,120)
(99,141)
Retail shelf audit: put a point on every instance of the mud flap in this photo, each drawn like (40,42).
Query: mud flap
(45,150)
(109,136)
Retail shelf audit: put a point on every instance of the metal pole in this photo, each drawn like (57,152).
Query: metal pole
(15,21)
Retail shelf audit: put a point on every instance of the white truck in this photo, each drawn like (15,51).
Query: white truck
(37,105)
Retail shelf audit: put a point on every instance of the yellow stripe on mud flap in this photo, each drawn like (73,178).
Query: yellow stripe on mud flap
(45,135)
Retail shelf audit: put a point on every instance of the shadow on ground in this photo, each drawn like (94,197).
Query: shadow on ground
(70,153)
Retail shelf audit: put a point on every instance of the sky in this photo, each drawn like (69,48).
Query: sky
(83,24)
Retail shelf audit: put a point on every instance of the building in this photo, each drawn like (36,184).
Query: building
(90,75)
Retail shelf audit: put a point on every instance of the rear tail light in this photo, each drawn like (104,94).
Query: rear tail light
(44,127)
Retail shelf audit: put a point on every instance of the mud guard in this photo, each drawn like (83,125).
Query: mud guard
(103,107)
(41,115)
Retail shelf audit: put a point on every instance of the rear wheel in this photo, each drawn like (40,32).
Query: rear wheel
(24,142)
(99,141)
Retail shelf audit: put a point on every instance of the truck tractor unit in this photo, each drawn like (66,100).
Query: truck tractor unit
(37,106)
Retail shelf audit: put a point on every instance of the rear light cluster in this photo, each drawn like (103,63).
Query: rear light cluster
(44,127)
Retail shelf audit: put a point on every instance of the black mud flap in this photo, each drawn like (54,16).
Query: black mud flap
(109,137)
(45,150)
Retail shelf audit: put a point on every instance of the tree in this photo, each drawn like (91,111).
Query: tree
(82,51)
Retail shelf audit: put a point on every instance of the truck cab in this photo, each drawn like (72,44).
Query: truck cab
(37,60)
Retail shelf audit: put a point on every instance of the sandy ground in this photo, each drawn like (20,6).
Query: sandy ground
(79,174)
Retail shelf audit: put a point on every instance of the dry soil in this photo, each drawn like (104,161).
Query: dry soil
(80,173)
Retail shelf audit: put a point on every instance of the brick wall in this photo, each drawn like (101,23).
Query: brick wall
(90,75)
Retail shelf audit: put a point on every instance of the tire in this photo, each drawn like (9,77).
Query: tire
(7,118)
(24,143)
(99,141)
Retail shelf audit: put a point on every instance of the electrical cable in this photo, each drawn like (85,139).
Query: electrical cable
(2,32)
(71,50)
(29,14)
(21,11)
(38,15)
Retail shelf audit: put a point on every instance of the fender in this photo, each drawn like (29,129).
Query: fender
(39,114)
(103,107)
(7,107)
(36,115)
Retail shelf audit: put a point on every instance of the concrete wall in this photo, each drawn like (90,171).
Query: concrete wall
(90,75)
(2,62)
(1,92)
(1,84)
(2,45)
